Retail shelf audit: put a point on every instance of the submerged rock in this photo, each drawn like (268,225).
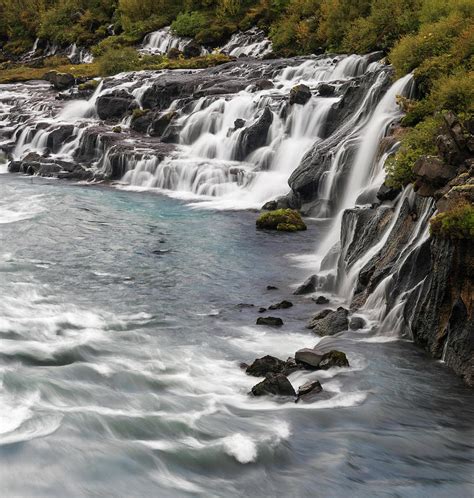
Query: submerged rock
(282,305)
(321,300)
(281,220)
(331,323)
(356,323)
(270,320)
(274,384)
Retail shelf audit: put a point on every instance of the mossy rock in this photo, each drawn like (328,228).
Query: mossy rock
(89,85)
(283,220)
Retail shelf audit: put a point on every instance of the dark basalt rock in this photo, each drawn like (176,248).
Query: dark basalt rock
(174,53)
(60,81)
(356,323)
(333,323)
(309,358)
(325,90)
(141,121)
(280,306)
(321,300)
(431,174)
(387,193)
(58,136)
(115,105)
(261,366)
(262,310)
(255,136)
(264,85)
(271,287)
(274,384)
(160,123)
(239,123)
(307,287)
(270,320)
(300,94)
(192,49)
(313,387)
(333,359)
(317,317)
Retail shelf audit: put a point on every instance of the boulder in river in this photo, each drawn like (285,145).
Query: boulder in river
(312,386)
(281,220)
(192,49)
(307,287)
(309,358)
(261,366)
(270,320)
(321,300)
(333,359)
(325,90)
(330,324)
(274,384)
(300,94)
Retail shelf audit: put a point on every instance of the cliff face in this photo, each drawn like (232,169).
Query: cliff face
(426,273)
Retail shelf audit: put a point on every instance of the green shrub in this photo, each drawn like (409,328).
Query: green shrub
(416,142)
(189,23)
(118,60)
(457,223)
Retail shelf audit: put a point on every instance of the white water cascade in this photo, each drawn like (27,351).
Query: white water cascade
(163,40)
(250,43)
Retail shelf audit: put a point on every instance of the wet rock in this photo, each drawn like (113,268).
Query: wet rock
(281,306)
(58,136)
(261,366)
(115,105)
(274,384)
(242,306)
(271,287)
(192,49)
(255,135)
(331,323)
(318,316)
(243,365)
(239,123)
(270,206)
(300,94)
(356,323)
(307,287)
(326,90)
(270,320)
(309,358)
(321,300)
(264,84)
(60,81)
(160,123)
(333,359)
(387,193)
(312,386)
(141,120)
(281,220)
(262,310)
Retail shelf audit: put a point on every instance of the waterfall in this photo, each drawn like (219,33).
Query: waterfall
(250,43)
(163,40)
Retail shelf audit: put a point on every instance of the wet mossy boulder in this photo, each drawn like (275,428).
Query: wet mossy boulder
(333,359)
(274,385)
(283,220)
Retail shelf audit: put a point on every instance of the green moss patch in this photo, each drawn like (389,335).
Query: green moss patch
(457,223)
(283,220)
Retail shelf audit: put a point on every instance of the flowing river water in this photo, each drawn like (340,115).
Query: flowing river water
(126,312)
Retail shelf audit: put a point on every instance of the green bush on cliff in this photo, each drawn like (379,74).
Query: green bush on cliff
(457,223)
(415,142)
(189,23)
(118,60)
(284,220)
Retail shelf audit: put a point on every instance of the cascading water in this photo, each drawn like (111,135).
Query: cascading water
(250,43)
(163,40)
